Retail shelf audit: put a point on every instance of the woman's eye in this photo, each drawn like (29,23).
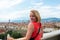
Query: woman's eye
(32,16)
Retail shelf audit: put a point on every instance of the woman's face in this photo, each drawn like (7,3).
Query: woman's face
(32,17)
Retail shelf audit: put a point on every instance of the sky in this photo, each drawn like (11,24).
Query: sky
(20,9)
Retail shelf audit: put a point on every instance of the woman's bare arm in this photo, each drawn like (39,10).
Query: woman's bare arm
(29,31)
(28,34)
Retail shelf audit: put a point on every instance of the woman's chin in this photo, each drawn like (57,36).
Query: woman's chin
(32,21)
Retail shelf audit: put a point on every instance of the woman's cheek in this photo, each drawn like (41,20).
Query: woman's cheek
(33,18)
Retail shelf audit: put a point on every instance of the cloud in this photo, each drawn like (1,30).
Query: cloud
(9,3)
(37,4)
(14,15)
(58,7)
(46,11)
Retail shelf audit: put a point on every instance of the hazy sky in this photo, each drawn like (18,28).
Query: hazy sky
(14,9)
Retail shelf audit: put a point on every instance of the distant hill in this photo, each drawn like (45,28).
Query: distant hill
(18,21)
(43,20)
(51,20)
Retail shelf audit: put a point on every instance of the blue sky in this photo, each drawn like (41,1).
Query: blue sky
(19,9)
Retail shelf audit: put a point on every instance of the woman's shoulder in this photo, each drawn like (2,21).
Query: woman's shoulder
(30,24)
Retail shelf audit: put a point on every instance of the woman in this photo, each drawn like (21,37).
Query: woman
(33,27)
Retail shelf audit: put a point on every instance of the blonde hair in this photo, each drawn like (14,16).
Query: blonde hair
(36,13)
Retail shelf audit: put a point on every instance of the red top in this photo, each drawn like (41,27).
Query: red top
(36,28)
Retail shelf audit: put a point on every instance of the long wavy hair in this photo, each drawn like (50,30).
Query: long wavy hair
(37,15)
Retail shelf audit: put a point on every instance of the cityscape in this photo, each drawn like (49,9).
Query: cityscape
(48,26)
